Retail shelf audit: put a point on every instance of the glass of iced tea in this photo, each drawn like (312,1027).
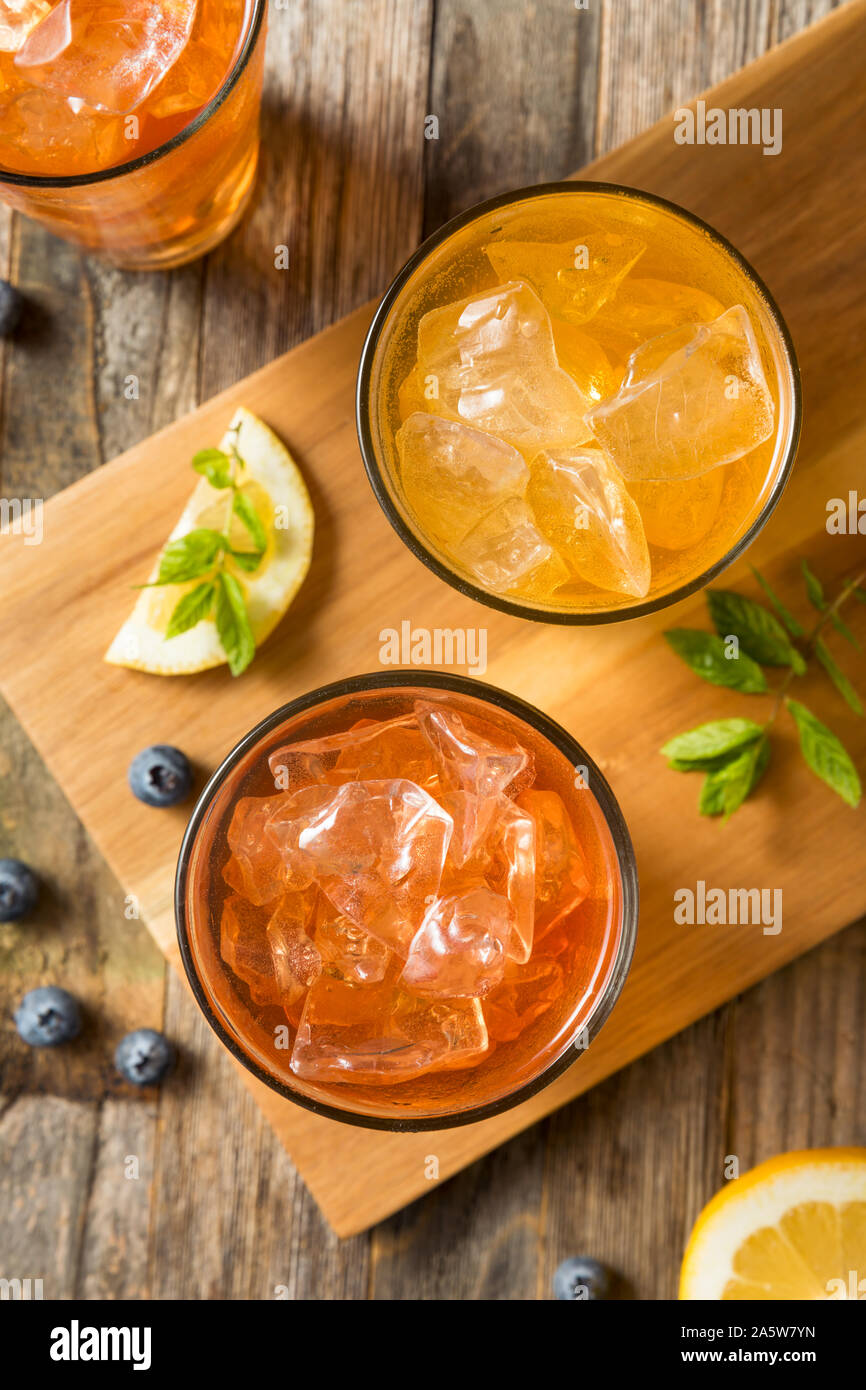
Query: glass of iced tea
(131,128)
(407,902)
(577,403)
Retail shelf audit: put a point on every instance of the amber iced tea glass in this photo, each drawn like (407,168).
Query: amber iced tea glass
(172,202)
(599,934)
(685,273)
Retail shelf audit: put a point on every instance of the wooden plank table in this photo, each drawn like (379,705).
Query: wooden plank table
(350,185)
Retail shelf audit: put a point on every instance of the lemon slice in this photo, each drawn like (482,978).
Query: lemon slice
(792,1228)
(272,484)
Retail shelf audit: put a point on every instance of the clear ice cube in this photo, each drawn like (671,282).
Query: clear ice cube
(561,881)
(693,399)
(17,18)
(376,848)
(381,1035)
(452,475)
(109,55)
(507,553)
(492,363)
(574,278)
(584,508)
(459,949)
(296,960)
(347,952)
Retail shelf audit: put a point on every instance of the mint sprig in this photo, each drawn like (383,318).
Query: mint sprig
(203,553)
(734,753)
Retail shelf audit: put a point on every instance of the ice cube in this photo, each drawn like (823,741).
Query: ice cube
(486,764)
(506,553)
(693,399)
(526,993)
(371,749)
(245,950)
(17,18)
(379,1035)
(491,361)
(109,54)
(574,278)
(296,960)
(644,309)
(677,515)
(41,135)
(256,869)
(561,882)
(472,816)
(376,848)
(512,873)
(459,949)
(583,507)
(452,475)
(348,953)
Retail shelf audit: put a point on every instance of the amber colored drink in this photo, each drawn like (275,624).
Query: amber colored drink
(406,904)
(577,402)
(131,128)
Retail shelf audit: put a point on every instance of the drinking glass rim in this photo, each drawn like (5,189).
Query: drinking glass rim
(607,803)
(142,160)
(376,475)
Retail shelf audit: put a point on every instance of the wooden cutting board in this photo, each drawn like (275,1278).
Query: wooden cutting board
(799,216)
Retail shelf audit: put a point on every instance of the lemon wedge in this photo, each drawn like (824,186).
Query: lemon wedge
(273,487)
(792,1228)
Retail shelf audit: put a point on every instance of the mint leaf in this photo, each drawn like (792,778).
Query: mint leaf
(244,509)
(838,677)
(760,633)
(704,653)
(233,624)
(710,741)
(188,557)
(191,608)
(843,628)
(814,587)
(826,754)
(784,613)
(726,788)
(214,465)
(859,594)
(249,560)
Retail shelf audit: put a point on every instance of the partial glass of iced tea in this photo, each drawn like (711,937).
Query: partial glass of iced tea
(407,904)
(577,402)
(131,127)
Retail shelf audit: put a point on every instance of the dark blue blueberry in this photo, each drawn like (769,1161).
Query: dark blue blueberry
(144,1057)
(161,775)
(582,1278)
(19,890)
(48,1016)
(11,306)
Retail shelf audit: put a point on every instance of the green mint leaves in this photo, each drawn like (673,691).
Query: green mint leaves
(708,657)
(734,753)
(202,554)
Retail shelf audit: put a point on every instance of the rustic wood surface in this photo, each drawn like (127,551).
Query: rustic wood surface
(218,1210)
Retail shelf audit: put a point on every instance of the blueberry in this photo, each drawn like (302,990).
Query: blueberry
(144,1057)
(582,1278)
(11,305)
(19,890)
(160,775)
(48,1016)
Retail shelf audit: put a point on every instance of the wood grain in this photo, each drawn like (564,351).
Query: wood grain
(661,1101)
